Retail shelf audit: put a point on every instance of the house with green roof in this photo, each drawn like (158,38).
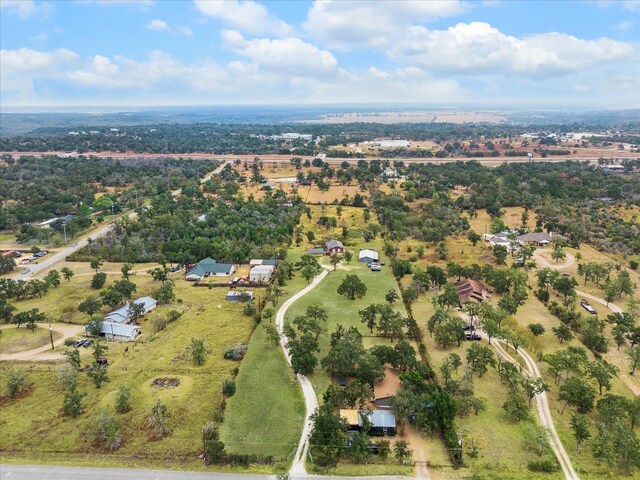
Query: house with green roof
(209,267)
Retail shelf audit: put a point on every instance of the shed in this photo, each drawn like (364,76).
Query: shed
(352,417)
(316,251)
(368,256)
(261,274)
(236,296)
(120,332)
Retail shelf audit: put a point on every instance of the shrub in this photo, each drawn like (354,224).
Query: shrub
(237,352)
(228,388)
(158,324)
(633,264)
(105,430)
(157,421)
(73,403)
(68,342)
(122,399)
(16,382)
(198,351)
(213,447)
(543,465)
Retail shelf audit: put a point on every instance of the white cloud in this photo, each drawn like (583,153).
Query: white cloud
(288,56)
(348,24)
(19,68)
(24,8)
(376,73)
(157,25)
(247,16)
(623,26)
(478,48)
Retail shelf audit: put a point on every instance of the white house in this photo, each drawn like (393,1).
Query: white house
(261,274)
(121,315)
(500,239)
(368,256)
(120,332)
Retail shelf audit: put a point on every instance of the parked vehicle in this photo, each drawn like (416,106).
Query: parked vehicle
(382,262)
(375,267)
(588,307)
(473,336)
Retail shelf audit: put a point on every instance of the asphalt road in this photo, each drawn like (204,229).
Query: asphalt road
(32,269)
(45,472)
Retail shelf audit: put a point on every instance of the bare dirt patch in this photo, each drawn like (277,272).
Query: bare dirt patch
(166,382)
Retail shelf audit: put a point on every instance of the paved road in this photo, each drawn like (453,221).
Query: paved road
(50,260)
(45,472)
(310,399)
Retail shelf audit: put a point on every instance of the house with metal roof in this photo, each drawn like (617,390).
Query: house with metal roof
(208,267)
(381,422)
(121,315)
(120,332)
(316,251)
(261,273)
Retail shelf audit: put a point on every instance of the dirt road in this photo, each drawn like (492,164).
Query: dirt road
(311,401)
(45,352)
(542,262)
(542,406)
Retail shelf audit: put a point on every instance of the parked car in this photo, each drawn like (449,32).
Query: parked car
(175,269)
(86,342)
(382,262)
(473,336)
(78,343)
(588,307)
(375,267)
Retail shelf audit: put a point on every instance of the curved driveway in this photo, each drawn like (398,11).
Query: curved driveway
(44,352)
(310,399)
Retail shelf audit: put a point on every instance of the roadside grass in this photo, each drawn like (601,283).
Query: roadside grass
(35,426)
(14,339)
(266,414)
(372,469)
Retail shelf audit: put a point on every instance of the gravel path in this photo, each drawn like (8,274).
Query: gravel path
(310,399)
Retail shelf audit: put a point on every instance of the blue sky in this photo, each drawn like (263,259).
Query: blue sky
(544,54)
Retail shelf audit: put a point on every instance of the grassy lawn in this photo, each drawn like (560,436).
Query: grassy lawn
(35,424)
(14,340)
(266,414)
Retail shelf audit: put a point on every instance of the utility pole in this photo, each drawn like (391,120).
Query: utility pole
(51,336)
(64,228)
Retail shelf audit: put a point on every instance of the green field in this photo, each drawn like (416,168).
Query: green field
(266,414)
(14,340)
(34,425)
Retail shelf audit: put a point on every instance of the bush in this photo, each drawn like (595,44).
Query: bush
(237,352)
(105,430)
(73,403)
(229,388)
(16,382)
(633,264)
(198,351)
(68,342)
(98,280)
(122,399)
(544,465)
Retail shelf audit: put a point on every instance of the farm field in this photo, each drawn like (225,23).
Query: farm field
(154,355)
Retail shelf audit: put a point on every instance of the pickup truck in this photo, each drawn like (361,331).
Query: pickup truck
(584,304)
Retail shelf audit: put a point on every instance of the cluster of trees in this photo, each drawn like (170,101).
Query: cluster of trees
(234,231)
(50,186)
(580,381)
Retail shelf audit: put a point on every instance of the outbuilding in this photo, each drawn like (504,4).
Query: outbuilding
(368,256)
(261,274)
(120,332)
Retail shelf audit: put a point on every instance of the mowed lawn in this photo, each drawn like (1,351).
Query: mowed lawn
(266,414)
(35,426)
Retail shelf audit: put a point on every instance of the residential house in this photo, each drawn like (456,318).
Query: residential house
(120,332)
(368,256)
(500,239)
(539,238)
(263,261)
(121,315)
(390,173)
(470,290)
(209,267)
(381,421)
(261,274)
(334,246)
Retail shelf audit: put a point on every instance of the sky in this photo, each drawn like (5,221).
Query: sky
(538,54)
